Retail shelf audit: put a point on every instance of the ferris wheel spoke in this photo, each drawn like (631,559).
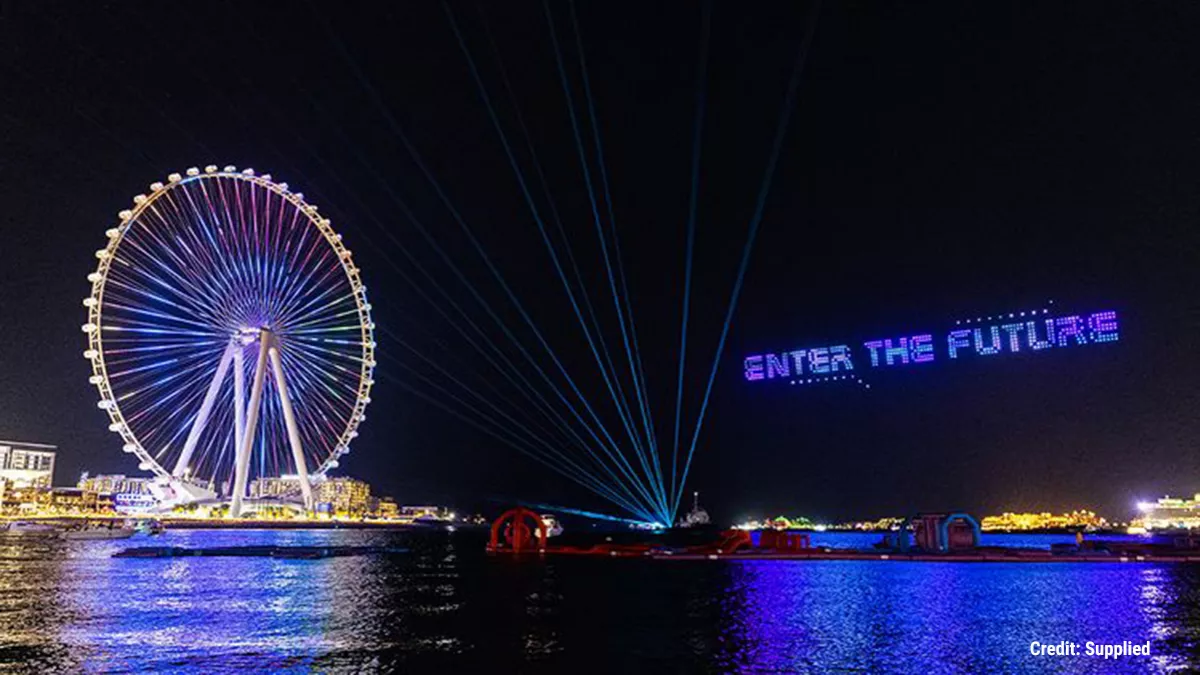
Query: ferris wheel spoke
(310,390)
(143,351)
(138,291)
(134,292)
(345,307)
(169,261)
(322,378)
(221,265)
(302,302)
(313,277)
(180,384)
(155,314)
(318,412)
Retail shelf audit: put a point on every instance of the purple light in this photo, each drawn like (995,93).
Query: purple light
(1103,326)
(777,366)
(922,348)
(1069,326)
(818,360)
(993,348)
(957,340)
(891,352)
(754,368)
(1014,340)
(1036,344)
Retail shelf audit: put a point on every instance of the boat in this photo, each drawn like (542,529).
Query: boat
(100,530)
(29,528)
(149,527)
(553,527)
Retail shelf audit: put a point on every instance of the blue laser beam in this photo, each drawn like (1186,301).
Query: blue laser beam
(755,221)
(698,134)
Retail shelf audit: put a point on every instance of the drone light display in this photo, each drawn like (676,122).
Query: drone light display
(970,339)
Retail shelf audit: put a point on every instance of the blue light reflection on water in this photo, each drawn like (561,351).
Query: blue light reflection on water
(914,617)
(445,607)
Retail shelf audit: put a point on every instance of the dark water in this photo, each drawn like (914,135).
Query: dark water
(447,608)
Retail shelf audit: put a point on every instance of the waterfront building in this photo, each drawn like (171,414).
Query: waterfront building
(113,484)
(386,508)
(19,500)
(427,512)
(27,464)
(888,524)
(277,487)
(1171,513)
(785,523)
(67,500)
(1010,522)
(344,496)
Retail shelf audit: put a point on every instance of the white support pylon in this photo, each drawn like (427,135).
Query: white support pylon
(239,397)
(210,397)
(242,468)
(289,418)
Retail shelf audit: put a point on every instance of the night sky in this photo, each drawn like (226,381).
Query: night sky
(943,160)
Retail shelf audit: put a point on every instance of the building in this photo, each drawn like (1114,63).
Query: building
(65,500)
(1170,513)
(113,484)
(340,496)
(285,488)
(428,512)
(16,501)
(344,496)
(27,464)
(1011,522)
(386,508)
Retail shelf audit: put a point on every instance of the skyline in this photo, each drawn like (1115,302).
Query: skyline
(913,190)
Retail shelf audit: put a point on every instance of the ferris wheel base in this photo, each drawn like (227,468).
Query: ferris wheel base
(173,492)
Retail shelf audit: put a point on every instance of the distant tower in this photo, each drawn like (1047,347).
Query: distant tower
(697,516)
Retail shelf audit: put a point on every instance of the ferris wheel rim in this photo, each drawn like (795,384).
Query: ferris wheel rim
(99,278)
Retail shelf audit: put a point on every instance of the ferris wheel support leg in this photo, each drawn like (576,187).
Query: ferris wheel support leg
(242,469)
(239,400)
(210,397)
(289,418)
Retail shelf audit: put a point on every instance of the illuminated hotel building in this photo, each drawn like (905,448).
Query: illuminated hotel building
(342,495)
(25,465)
(1171,513)
(345,496)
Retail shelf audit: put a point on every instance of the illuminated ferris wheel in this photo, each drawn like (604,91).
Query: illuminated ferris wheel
(229,335)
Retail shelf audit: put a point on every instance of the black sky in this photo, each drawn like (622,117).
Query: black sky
(944,160)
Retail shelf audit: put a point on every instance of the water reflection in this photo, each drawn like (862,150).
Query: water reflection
(446,607)
(913,617)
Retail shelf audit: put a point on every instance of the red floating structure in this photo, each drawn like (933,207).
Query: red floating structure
(517,535)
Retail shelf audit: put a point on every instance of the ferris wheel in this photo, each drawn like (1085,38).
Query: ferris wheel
(229,335)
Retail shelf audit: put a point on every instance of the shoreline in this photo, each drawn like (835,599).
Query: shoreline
(248,524)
